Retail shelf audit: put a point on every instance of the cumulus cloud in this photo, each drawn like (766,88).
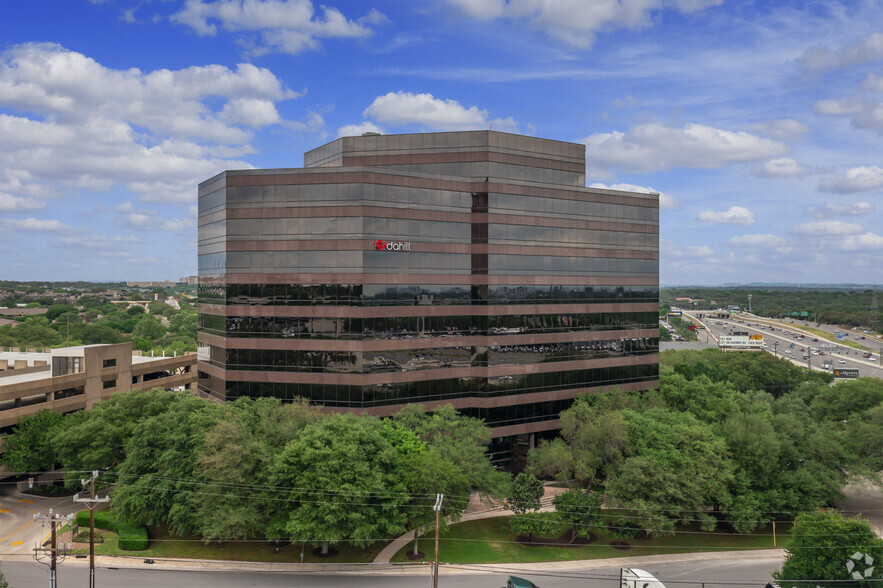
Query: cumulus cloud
(33,224)
(856,179)
(284,26)
(151,220)
(782,167)
(665,200)
(758,240)
(854,209)
(358,130)
(734,215)
(74,123)
(10,203)
(654,147)
(577,22)
(690,251)
(431,113)
(870,241)
(820,59)
(866,109)
(828,228)
(782,128)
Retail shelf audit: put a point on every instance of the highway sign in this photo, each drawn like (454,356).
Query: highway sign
(845,373)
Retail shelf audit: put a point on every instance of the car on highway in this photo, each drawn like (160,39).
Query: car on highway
(841,361)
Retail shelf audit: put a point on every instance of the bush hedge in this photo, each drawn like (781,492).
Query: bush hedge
(132,536)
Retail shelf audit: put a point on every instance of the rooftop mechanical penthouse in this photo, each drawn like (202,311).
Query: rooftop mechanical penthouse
(472,268)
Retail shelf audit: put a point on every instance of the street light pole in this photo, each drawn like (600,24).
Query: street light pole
(776,348)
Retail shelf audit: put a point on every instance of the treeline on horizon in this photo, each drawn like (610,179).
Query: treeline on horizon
(91,318)
(727,443)
(848,308)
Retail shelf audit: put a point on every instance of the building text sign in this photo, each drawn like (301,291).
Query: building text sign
(382,245)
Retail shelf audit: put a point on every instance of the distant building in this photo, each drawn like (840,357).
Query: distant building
(473,268)
(75,378)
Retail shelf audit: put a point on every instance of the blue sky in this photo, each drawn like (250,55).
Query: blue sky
(761,123)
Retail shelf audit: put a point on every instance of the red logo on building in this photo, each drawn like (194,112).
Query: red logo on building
(379,245)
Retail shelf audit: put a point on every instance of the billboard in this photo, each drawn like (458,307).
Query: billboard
(741,341)
(845,373)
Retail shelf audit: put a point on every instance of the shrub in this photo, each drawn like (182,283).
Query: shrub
(104,519)
(133,537)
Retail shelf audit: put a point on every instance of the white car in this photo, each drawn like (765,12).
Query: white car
(841,361)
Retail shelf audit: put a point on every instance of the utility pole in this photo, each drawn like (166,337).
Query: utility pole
(437,508)
(54,520)
(90,504)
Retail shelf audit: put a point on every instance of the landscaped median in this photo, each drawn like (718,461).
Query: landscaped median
(490,541)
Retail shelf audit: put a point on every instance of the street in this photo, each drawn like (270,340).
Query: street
(743,570)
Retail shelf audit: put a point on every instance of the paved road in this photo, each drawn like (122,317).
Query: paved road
(751,571)
(18,531)
(852,358)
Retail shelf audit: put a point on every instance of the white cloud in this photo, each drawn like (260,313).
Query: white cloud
(867,240)
(72,123)
(856,179)
(691,251)
(577,22)
(251,112)
(854,209)
(32,224)
(665,200)
(285,26)
(405,108)
(654,147)
(734,215)
(782,128)
(822,58)
(828,228)
(10,203)
(782,167)
(151,220)
(839,106)
(758,240)
(358,130)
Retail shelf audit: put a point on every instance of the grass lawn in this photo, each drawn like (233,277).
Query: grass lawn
(489,541)
(163,546)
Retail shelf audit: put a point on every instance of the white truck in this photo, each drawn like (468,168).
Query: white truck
(635,578)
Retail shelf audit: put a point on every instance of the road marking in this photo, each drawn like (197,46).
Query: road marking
(16,531)
(4,510)
(17,543)
(26,500)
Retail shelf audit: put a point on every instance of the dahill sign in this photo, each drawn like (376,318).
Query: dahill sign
(382,245)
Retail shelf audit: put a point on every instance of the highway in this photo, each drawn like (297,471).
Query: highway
(786,334)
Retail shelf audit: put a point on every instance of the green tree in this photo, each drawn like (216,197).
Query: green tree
(525,494)
(158,483)
(344,481)
(29,447)
(238,452)
(580,509)
(821,546)
(459,439)
(95,439)
(3,582)
(596,439)
(149,329)
(544,524)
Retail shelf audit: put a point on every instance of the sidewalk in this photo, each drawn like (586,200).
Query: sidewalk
(476,509)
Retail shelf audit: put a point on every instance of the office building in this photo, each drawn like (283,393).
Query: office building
(473,268)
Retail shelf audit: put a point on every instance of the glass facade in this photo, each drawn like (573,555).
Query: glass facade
(472,267)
